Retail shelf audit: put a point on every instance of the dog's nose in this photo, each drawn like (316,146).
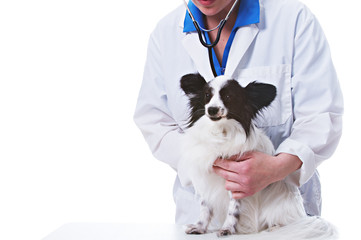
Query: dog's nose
(213,111)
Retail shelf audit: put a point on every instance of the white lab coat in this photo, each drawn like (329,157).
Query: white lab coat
(287,49)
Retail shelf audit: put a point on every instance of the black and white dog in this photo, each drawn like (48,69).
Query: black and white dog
(220,125)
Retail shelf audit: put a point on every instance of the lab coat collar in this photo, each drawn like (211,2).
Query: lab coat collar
(248,13)
(244,37)
(241,43)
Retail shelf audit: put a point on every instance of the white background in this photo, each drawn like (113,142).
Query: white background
(70,72)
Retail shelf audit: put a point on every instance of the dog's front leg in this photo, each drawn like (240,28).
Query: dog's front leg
(229,225)
(205,217)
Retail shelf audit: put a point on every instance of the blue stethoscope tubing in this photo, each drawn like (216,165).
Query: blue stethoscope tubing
(200,31)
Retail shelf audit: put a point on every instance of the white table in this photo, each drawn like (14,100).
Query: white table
(118,231)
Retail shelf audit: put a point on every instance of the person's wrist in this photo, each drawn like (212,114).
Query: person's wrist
(287,164)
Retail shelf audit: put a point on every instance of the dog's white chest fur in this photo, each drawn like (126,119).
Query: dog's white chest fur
(203,144)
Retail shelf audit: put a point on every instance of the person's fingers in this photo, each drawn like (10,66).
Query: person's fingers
(233,186)
(226,164)
(227,175)
(239,195)
(245,156)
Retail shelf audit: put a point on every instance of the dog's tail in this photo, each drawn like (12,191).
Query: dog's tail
(308,228)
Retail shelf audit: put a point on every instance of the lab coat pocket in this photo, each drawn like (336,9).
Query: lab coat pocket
(280,109)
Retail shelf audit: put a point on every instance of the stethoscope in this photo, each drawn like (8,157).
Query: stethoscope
(211,45)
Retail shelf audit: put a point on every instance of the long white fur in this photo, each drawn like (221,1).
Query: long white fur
(278,208)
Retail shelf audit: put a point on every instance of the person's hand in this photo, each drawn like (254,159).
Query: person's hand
(251,172)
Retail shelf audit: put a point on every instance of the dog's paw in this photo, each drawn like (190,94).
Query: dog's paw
(225,232)
(195,229)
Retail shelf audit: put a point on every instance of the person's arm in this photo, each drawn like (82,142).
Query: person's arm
(317,111)
(152,114)
(317,100)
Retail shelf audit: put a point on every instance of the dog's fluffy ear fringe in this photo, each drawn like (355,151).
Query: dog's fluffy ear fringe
(192,83)
(260,95)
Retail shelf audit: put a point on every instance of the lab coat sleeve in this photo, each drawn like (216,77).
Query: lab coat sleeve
(152,114)
(317,100)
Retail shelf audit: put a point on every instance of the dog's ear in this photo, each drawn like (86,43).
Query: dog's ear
(192,83)
(260,95)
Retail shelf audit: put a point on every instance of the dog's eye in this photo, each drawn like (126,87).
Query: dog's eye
(207,95)
(227,98)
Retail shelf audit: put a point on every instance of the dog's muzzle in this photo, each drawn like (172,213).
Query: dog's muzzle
(215,113)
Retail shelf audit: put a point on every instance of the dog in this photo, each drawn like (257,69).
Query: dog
(221,125)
